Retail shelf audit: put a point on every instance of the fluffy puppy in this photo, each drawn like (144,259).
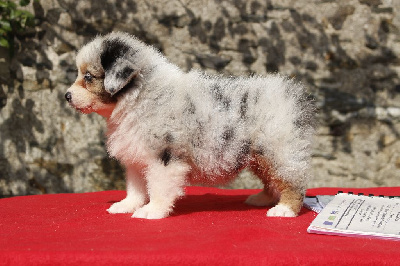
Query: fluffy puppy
(170,128)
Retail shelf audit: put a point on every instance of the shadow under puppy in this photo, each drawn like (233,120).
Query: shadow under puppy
(170,128)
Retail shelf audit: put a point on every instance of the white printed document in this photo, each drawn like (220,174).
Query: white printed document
(359,215)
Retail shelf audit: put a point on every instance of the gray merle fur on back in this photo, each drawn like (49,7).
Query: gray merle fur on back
(214,122)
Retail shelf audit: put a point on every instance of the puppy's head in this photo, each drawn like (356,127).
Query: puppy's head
(106,67)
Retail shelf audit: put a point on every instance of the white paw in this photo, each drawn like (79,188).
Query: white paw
(151,211)
(124,206)
(281,210)
(260,199)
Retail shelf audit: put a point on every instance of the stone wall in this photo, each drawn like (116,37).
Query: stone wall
(346,52)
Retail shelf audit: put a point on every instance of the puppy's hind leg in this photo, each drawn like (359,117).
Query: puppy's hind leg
(267,197)
(287,197)
(136,193)
(290,201)
(165,182)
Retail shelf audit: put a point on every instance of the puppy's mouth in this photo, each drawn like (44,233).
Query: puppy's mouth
(85,110)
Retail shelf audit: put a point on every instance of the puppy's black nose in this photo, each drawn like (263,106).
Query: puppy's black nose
(68,96)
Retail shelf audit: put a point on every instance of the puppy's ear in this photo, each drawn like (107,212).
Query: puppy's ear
(117,60)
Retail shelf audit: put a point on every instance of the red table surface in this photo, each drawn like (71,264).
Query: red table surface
(209,226)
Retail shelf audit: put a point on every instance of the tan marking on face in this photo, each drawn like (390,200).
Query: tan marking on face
(96,85)
(80,82)
(83,68)
(90,96)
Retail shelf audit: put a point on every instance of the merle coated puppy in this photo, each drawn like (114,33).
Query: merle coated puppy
(170,128)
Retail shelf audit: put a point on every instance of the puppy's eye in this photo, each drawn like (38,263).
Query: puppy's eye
(88,77)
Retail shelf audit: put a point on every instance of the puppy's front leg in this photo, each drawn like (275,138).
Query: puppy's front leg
(165,183)
(136,193)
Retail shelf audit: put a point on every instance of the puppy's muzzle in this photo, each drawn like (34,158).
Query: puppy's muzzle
(68,96)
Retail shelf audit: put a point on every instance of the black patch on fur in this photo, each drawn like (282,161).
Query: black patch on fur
(112,50)
(216,91)
(125,73)
(245,148)
(197,139)
(217,94)
(259,151)
(244,105)
(169,138)
(243,155)
(166,156)
(190,107)
(228,134)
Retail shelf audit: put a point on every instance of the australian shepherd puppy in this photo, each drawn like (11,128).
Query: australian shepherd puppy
(170,128)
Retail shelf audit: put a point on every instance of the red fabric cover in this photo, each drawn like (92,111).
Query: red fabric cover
(209,226)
